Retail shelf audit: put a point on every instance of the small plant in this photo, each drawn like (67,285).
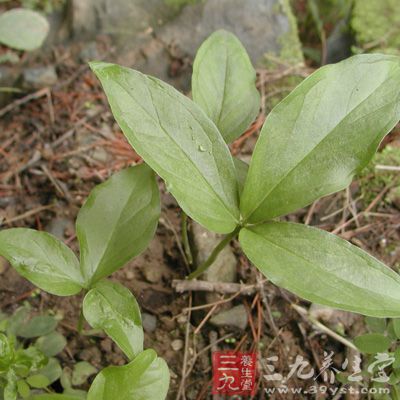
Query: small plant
(115,224)
(28,347)
(382,355)
(311,145)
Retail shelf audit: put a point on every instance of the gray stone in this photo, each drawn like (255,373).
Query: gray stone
(39,77)
(258,23)
(236,316)
(224,267)
(123,19)
(149,322)
(156,38)
(59,226)
(89,52)
(334,319)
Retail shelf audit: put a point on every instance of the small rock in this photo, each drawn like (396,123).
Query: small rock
(89,52)
(129,275)
(100,154)
(59,226)
(236,316)
(177,344)
(337,320)
(149,322)
(39,77)
(223,268)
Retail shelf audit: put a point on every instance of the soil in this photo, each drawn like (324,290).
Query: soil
(58,144)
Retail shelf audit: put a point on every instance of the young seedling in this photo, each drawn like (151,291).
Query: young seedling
(115,224)
(311,145)
(27,367)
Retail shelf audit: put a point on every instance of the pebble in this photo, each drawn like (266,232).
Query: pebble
(39,77)
(177,344)
(149,322)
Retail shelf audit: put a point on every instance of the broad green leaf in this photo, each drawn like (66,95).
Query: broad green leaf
(38,381)
(37,326)
(51,344)
(372,343)
(144,378)
(82,371)
(174,136)
(315,140)
(223,84)
(23,29)
(241,172)
(112,307)
(117,221)
(322,268)
(42,259)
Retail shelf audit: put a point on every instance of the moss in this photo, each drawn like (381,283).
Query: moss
(290,43)
(376,24)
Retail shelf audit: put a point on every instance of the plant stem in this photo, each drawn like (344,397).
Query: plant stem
(214,254)
(185,239)
(80,321)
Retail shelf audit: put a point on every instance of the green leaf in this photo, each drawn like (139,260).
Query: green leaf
(112,307)
(51,344)
(52,370)
(396,327)
(376,325)
(38,381)
(82,371)
(174,136)
(10,390)
(241,172)
(56,396)
(372,343)
(23,389)
(322,268)
(37,326)
(144,378)
(117,221)
(324,132)
(42,259)
(23,29)
(223,84)
(6,353)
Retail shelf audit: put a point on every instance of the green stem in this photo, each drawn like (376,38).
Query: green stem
(214,254)
(80,321)
(185,239)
